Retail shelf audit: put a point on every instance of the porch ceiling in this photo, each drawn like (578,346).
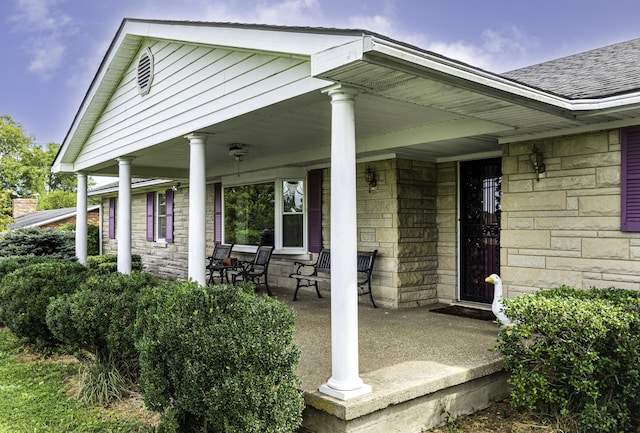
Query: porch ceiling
(402,110)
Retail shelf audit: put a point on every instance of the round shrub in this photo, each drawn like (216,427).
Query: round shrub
(108,263)
(218,359)
(26,293)
(575,355)
(99,318)
(10,264)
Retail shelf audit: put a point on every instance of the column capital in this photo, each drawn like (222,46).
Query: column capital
(198,137)
(341,90)
(125,159)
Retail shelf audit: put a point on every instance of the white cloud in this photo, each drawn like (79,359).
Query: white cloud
(500,51)
(47,27)
(46,56)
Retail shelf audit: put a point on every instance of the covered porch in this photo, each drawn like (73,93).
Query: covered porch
(421,365)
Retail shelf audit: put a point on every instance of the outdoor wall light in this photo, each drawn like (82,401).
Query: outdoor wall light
(175,187)
(370,178)
(537,162)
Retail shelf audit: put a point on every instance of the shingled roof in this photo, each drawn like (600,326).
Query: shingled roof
(606,71)
(39,218)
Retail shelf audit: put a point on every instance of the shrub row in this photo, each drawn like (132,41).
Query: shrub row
(209,359)
(574,355)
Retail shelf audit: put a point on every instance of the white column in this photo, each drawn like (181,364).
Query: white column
(197,208)
(81,219)
(345,382)
(124,215)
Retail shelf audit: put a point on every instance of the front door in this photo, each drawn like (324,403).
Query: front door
(480,190)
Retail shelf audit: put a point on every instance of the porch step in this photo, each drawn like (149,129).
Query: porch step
(408,397)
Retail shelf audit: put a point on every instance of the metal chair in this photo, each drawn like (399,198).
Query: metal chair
(255,270)
(216,262)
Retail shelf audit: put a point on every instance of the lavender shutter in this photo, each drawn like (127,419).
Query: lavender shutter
(314,210)
(169,215)
(630,177)
(217,213)
(112,218)
(150,216)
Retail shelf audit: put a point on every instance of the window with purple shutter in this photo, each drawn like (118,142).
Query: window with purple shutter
(314,210)
(112,218)
(169,211)
(217,213)
(150,216)
(630,177)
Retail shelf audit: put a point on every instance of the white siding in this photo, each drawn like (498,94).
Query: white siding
(193,87)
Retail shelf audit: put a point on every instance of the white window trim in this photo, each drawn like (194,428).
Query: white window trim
(278,214)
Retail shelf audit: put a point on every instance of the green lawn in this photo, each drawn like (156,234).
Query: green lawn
(32,398)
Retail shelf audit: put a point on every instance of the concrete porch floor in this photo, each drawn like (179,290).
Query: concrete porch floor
(422,366)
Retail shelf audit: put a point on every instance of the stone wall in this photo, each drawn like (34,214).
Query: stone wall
(398,217)
(565,228)
(447,227)
(23,206)
(167,260)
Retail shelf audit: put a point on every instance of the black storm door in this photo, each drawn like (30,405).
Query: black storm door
(480,191)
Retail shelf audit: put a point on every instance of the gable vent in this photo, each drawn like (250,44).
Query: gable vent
(145,72)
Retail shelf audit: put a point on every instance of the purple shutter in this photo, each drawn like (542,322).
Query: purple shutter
(630,177)
(314,210)
(150,216)
(217,213)
(112,218)
(169,215)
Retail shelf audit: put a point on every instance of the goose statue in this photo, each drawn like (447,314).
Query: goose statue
(496,306)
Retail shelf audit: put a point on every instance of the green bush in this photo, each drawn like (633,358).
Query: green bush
(10,264)
(93,237)
(99,318)
(39,242)
(108,263)
(575,356)
(26,293)
(216,359)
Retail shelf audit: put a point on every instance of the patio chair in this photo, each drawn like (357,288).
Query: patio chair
(256,269)
(216,262)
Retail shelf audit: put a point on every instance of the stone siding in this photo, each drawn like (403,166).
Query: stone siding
(447,226)
(565,228)
(167,260)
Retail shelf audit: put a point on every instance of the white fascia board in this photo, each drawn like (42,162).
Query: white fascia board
(354,51)
(271,39)
(61,167)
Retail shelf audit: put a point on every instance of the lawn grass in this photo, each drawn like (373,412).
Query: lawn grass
(33,398)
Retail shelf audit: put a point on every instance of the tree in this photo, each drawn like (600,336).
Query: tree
(25,172)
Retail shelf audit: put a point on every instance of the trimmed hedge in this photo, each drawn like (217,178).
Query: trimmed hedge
(99,319)
(575,356)
(218,359)
(26,293)
(108,263)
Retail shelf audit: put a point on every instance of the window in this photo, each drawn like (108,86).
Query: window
(292,213)
(249,214)
(160,216)
(270,213)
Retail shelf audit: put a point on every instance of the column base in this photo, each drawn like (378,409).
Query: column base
(345,395)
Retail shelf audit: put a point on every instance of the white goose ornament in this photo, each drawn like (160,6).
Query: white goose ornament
(496,306)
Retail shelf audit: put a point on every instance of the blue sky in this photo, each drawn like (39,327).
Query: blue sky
(51,49)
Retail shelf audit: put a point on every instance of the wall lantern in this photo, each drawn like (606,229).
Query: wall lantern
(370,178)
(537,162)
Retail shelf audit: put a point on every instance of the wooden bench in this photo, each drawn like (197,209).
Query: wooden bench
(308,275)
